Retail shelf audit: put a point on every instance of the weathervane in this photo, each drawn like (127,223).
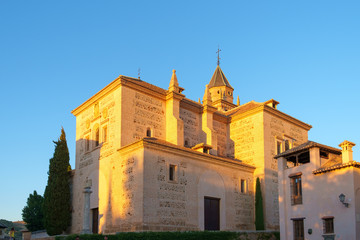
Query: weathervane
(139,73)
(218,57)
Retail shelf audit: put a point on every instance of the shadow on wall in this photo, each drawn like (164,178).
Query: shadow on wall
(110,176)
(87,174)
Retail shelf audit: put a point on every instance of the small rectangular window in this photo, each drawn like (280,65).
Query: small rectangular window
(148,132)
(172,169)
(328,225)
(243,186)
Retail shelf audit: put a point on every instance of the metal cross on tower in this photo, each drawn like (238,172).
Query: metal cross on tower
(218,57)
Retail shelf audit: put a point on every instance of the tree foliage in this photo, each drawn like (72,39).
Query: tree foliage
(32,213)
(57,213)
(259,211)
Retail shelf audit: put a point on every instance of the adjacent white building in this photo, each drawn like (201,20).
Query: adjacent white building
(319,192)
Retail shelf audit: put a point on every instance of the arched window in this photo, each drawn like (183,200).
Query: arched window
(148,132)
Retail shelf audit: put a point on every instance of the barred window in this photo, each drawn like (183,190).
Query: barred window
(295,189)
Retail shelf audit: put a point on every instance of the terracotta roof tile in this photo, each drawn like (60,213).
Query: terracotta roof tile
(144,84)
(165,143)
(336,167)
(243,108)
(308,145)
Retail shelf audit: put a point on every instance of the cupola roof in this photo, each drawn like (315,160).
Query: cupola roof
(218,79)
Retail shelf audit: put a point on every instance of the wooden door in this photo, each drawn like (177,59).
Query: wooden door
(212,213)
(95,220)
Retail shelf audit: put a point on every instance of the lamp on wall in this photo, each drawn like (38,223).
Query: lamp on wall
(342,200)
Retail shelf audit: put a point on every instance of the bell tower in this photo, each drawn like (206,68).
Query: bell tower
(221,91)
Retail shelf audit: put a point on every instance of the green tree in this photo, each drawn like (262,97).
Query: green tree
(259,211)
(32,213)
(57,215)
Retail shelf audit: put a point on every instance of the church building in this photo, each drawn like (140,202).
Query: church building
(150,159)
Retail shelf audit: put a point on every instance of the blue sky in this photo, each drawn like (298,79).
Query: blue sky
(54,55)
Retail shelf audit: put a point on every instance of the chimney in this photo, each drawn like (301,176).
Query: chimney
(347,153)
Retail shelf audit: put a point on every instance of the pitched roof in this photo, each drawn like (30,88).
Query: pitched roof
(191,151)
(218,79)
(308,145)
(243,108)
(336,166)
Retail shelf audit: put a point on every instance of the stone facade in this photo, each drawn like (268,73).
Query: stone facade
(151,156)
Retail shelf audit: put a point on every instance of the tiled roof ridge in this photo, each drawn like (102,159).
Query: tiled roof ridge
(307,145)
(161,141)
(336,167)
(144,83)
(238,108)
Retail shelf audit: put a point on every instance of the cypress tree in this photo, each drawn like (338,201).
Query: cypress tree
(259,211)
(57,215)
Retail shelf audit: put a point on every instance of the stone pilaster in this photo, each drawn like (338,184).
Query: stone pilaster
(207,121)
(86,220)
(174,125)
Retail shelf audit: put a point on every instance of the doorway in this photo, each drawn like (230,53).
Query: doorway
(95,220)
(212,213)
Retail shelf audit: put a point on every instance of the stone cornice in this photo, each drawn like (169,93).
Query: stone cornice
(209,108)
(286,117)
(152,143)
(129,82)
(191,105)
(175,95)
(218,116)
(274,112)
(143,87)
(131,147)
(225,102)
(96,97)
